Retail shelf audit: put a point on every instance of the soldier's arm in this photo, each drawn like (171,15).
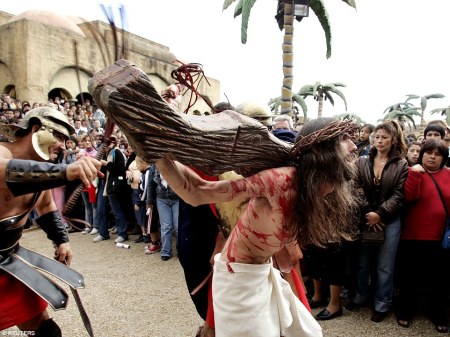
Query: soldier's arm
(51,223)
(29,176)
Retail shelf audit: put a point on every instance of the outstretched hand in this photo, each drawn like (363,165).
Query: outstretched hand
(64,253)
(86,169)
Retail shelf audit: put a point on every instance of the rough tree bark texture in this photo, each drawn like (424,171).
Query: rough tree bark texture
(218,143)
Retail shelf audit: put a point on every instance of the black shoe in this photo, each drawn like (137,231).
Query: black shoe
(317,304)
(139,239)
(352,306)
(147,239)
(325,315)
(165,258)
(378,316)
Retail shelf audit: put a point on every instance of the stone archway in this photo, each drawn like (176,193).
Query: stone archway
(10,89)
(59,92)
(6,80)
(67,79)
(84,96)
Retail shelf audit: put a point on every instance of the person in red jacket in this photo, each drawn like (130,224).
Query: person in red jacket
(421,259)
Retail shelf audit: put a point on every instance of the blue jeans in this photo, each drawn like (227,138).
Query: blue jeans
(168,218)
(119,215)
(384,259)
(101,210)
(140,213)
(90,210)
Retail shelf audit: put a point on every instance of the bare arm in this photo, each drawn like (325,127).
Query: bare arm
(46,204)
(196,191)
(188,185)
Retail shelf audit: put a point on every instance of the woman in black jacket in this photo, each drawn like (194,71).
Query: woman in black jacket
(116,187)
(381,176)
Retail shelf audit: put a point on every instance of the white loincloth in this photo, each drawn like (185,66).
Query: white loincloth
(254,301)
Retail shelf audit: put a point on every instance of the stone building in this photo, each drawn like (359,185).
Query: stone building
(44,55)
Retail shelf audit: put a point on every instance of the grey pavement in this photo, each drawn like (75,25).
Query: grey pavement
(129,293)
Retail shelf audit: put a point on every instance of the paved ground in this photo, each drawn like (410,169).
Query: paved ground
(129,293)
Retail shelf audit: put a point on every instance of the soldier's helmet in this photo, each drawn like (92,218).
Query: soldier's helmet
(50,119)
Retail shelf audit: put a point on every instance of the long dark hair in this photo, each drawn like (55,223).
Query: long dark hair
(434,144)
(399,147)
(320,219)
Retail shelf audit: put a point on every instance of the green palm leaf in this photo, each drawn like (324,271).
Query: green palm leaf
(318,8)
(351,3)
(341,95)
(350,117)
(227,3)
(444,112)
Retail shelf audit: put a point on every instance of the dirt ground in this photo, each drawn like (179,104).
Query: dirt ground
(129,293)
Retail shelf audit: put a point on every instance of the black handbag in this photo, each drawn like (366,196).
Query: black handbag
(115,185)
(371,237)
(368,234)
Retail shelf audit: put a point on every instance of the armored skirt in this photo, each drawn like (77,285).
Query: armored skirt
(18,303)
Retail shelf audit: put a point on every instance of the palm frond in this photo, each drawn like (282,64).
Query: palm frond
(341,95)
(318,8)
(328,96)
(412,111)
(227,3)
(435,96)
(274,104)
(316,87)
(300,101)
(339,84)
(306,90)
(238,8)
(351,3)
(397,106)
(244,8)
(442,111)
(411,120)
(350,117)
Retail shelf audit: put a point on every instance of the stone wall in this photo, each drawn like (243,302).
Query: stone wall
(38,56)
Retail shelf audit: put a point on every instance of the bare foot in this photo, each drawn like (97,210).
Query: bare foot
(205,331)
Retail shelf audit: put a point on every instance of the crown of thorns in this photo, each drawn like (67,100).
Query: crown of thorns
(330,131)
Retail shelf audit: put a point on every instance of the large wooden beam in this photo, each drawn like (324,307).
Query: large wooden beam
(227,141)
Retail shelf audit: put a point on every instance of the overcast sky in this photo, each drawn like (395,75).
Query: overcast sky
(382,51)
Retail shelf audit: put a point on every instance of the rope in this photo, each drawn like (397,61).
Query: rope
(190,75)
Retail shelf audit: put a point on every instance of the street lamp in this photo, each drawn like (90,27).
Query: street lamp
(301,8)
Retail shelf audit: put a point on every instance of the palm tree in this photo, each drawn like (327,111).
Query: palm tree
(285,19)
(444,112)
(423,103)
(350,117)
(402,113)
(275,103)
(322,91)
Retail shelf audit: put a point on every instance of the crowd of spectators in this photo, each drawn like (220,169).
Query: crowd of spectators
(394,183)
(407,271)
